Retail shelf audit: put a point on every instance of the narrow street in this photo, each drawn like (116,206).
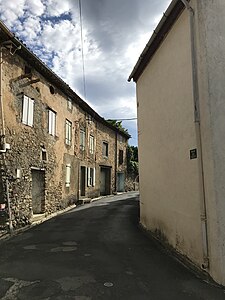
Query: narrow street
(95,251)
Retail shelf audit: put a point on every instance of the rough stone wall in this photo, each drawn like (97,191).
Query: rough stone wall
(107,135)
(26,144)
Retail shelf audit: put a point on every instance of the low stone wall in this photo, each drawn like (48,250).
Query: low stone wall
(131,184)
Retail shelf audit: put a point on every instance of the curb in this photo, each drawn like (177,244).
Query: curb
(25,228)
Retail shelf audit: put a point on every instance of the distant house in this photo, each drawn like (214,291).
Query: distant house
(180,80)
(55,149)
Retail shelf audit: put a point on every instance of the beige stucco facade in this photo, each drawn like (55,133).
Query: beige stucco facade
(182,197)
(170,203)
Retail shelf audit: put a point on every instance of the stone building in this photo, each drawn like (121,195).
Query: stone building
(180,97)
(55,149)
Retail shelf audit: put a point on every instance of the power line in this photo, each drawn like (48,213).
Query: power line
(82,48)
(131,119)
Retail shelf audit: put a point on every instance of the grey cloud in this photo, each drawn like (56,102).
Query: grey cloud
(115,23)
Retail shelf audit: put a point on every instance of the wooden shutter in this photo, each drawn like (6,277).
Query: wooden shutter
(25,109)
(30,112)
(93,183)
(68,173)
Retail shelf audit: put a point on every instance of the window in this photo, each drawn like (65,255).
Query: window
(43,154)
(52,90)
(120,138)
(51,122)
(82,139)
(120,157)
(28,111)
(90,176)
(105,149)
(69,104)
(27,70)
(89,119)
(68,173)
(91,144)
(68,132)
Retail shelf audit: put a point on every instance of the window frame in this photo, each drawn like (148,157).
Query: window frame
(82,139)
(121,160)
(28,111)
(106,152)
(51,122)
(68,132)
(69,104)
(90,177)
(91,144)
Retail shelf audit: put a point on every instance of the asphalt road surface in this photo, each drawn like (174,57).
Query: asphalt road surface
(95,251)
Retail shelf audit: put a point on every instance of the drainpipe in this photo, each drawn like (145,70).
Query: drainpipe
(205,264)
(1,105)
(116,137)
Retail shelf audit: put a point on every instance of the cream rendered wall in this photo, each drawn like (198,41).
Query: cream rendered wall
(170,183)
(211,62)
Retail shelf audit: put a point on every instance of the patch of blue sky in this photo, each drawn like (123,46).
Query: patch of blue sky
(57,19)
(45,56)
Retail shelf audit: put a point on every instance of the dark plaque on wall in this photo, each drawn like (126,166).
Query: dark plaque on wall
(193,153)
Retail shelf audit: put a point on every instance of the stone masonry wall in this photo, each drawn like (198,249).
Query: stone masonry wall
(27,144)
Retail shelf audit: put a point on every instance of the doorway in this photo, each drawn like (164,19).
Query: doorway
(105,181)
(38,191)
(120,182)
(82,180)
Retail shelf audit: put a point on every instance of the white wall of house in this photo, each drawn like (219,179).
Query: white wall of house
(170,182)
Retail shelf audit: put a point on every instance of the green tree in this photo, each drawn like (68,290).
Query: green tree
(118,124)
(132,161)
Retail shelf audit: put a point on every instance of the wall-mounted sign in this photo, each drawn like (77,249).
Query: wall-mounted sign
(193,153)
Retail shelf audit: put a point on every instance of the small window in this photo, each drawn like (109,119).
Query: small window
(90,176)
(120,157)
(51,122)
(120,138)
(28,111)
(27,70)
(68,132)
(105,151)
(68,173)
(52,90)
(69,104)
(89,119)
(82,139)
(43,154)
(91,144)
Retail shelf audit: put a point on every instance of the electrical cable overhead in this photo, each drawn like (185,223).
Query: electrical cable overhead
(131,119)
(82,49)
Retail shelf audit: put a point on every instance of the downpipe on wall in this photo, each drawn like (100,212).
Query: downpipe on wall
(205,264)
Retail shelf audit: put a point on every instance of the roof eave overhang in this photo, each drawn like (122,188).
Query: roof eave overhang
(52,77)
(169,18)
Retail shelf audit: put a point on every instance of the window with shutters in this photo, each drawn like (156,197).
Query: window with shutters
(68,132)
(51,122)
(68,173)
(91,144)
(82,139)
(90,176)
(28,111)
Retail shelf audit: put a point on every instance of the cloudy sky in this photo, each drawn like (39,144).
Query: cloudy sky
(114,33)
